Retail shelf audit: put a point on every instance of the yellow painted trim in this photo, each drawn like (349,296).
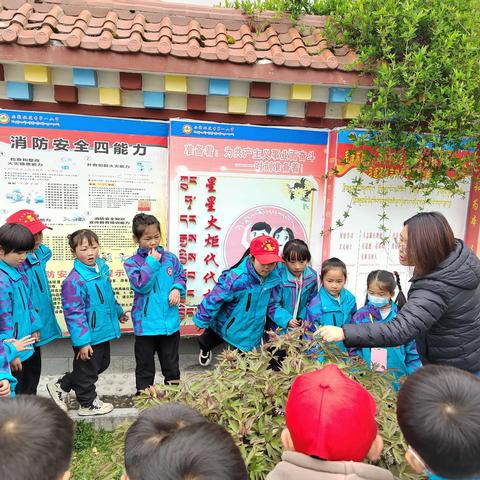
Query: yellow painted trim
(37,74)
(110,96)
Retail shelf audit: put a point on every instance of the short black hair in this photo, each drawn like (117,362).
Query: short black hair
(35,436)
(76,238)
(331,264)
(16,238)
(179,442)
(296,250)
(145,435)
(438,411)
(141,221)
(261,226)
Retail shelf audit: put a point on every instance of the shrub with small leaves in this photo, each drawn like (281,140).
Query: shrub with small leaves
(246,397)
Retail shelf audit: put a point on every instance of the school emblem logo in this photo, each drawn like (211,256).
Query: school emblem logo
(170,271)
(4,118)
(268,246)
(187,129)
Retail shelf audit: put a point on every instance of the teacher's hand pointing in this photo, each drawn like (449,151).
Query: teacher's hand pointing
(331,334)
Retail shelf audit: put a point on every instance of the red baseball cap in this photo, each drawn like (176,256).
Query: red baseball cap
(331,416)
(265,249)
(29,219)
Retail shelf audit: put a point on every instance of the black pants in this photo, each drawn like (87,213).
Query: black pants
(166,347)
(29,376)
(85,373)
(208,340)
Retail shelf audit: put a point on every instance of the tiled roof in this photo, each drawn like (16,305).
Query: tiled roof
(162,30)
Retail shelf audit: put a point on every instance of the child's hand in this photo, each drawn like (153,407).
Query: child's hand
(85,353)
(174,297)
(156,255)
(124,318)
(294,322)
(36,336)
(4,388)
(22,344)
(16,365)
(331,334)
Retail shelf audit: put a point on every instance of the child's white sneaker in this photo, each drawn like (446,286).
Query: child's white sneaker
(58,395)
(97,408)
(205,358)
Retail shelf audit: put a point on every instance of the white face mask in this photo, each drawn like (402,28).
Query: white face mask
(378,302)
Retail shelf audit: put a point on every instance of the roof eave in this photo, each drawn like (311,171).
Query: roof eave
(167,64)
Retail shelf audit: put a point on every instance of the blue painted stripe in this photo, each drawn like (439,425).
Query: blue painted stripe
(182,128)
(345,137)
(59,121)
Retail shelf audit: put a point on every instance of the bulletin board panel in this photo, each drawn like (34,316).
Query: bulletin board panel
(225,180)
(84,172)
(359,242)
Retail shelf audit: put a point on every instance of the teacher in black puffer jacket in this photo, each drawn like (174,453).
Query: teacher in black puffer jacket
(442,313)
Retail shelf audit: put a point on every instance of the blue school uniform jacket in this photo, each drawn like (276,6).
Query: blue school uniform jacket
(152,281)
(286,296)
(7,353)
(17,315)
(35,268)
(89,305)
(325,309)
(237,306)
(403,360)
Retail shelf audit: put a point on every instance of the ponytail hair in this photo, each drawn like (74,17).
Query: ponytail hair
(400,300)
(245,254)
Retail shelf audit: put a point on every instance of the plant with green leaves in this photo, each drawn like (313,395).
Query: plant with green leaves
(424,59)
(242,394)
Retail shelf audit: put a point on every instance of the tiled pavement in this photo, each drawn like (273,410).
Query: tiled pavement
(117,384)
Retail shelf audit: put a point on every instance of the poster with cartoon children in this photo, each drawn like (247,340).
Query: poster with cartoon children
(230,183)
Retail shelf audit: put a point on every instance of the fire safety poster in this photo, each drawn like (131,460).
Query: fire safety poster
(84,172)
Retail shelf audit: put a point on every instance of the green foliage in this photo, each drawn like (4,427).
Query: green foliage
(92,450)
(424,56)
(248,399)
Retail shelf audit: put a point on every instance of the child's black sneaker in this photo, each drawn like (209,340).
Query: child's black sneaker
(205,358)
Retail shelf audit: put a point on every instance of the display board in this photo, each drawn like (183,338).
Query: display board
(84,172)
(219,184)
(359,242)
(229,183)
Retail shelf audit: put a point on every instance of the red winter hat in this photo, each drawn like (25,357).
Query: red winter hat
(331,416)
(29,219)
(265,249)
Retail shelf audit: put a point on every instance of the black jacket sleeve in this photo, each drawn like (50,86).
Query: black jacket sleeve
(422,310)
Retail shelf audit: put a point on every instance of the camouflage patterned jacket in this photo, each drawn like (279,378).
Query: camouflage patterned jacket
(152,281)
(7,353)
(35,269)
(17,315)
(237,306)
(89,305)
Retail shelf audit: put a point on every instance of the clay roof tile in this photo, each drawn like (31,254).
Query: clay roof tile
(158,28)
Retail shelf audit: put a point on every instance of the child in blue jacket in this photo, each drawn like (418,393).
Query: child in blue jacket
(34,267)
(158,282)
(18,318)
(9,349)
(380,307)
(236,308)
(92,315)
(333,304)
(297,289)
